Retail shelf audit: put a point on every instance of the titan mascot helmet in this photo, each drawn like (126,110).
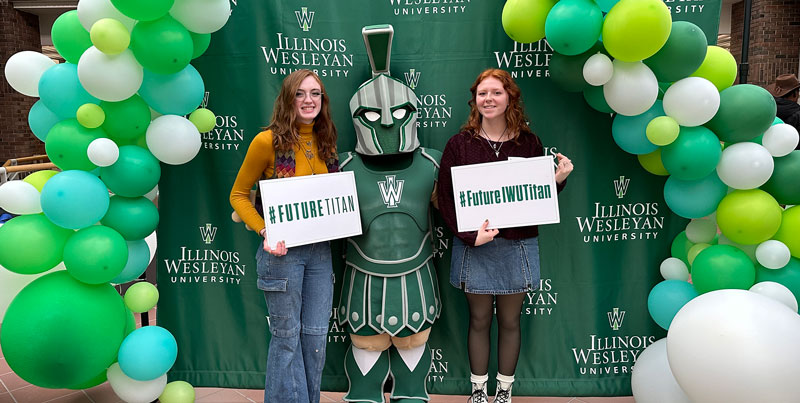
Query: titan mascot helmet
(384,109)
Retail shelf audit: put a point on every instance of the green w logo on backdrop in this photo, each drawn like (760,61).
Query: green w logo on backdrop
(412,78)
(304,18)
(615,318)
(391,191)
(208,233)
(621,186)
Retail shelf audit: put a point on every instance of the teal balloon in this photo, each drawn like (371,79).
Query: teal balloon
(95,254)
(38,244)
(680,248)
(722,267)
(573,26)
(135,173)
(41,120)
(567,71)
(788,276)
(200,43)
(147,353)
(606,5)
(629,131)
(595,98)
(67,144)
(138,260)
(133,217)
(173,94)
(667,298)
(693,155)
(74,199)
(682,55)
(745,111)
(783,184)
(61,91)
(126,120)
(694,198)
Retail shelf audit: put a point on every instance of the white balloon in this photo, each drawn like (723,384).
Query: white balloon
(776,291)
(745,165)
(673,268)
(773,254)
(632,90)
(735,346)
(201,16)
(780,139)
(598,69)
(111,78)
(749,250)
(103,152)
(691,101)
(173,139)
(652,380)
(91,11)
(133,391)
(20,197)
(24,69)
(701,230)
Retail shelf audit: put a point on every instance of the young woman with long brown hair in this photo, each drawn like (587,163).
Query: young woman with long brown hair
(492,265)
(297,283)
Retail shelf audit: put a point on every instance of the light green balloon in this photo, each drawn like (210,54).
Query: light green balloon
(39,178)
(204,119)
(177,392)
(789,231)
(141,297)
(749,216)
(636,29)
(695,250)
(110,36)
(523,20)
(90,116)
(662,130)
(719,67)
(652,163)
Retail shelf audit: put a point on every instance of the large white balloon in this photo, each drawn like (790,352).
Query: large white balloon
(652,380)
(110,78)
(780,139)
(673,268)
(20,197)
(201,16)
(598,69)
(632,90)
(91,11)
(735,346)
(776,291)
(745,165)
(103,152)
(133,391)
(24,69)
(773,254)
(173,139)
(691,101)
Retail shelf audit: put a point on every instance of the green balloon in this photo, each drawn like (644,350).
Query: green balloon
(126,120)
(67,142)
(680,248)
(162,46)
(69,37)
(788,276)
(636,29)
(141,297)
(38,244)
(134,218)
(662,89)
(789,231)
(695,250)
(745,111)
(573,26)
(60,333)
(682,55)
(783,185)
(200,43)
(523,20)
(143,10)
(748,216)
(693,155)
(595,98)
(722,267)
(177,392)
(135,173)
(567,71)
(97,380)
(96,254)
(130,322)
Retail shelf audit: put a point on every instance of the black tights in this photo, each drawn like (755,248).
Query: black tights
(509,308)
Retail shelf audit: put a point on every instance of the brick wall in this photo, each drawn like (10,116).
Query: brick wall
(774,47)
(18,31)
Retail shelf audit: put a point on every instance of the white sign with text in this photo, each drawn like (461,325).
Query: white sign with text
(514,193)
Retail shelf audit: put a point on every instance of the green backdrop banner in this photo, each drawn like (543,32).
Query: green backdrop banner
(584,328)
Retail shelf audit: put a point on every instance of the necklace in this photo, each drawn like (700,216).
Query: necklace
(309,155)
(495,147)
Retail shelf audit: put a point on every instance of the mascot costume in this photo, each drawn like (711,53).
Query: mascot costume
(390,295)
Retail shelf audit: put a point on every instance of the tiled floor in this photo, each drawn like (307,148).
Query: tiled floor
(15,390)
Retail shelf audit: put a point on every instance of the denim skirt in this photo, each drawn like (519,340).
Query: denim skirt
(502,266)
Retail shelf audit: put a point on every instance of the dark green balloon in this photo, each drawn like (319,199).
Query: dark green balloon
(567,71)
(595,98)
(135,173)
(745,111)
(662,89)
(69,37)
(200,43)
(680,248)
(67,142)
(126,120)
(722,267)
(95,255)
(693,155)
(143,10)
(134,218)
(61,333)
(38,244)
(683,53)
(788,276)
(784,184)
(162,46)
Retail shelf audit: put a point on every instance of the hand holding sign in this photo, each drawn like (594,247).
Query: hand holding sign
(280,248)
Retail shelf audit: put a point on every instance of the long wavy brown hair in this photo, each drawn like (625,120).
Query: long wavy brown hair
(516,120)
(285,135)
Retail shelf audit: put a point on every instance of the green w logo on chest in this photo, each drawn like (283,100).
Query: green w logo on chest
(391,191)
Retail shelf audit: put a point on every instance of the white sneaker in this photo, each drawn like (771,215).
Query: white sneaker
(502,396)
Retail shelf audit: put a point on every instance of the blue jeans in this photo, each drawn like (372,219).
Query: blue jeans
(298,288)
